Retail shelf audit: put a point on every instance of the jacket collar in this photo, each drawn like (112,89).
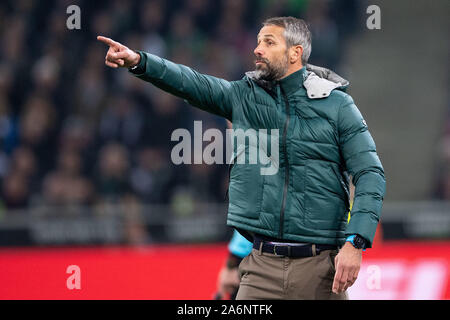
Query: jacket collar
(289,84)
(319,82)
(293,82)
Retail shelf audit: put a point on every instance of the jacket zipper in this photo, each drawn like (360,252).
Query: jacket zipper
(286,177)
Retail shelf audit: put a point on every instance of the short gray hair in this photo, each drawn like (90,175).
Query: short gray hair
(296,32)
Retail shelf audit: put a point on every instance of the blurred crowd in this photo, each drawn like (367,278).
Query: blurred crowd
(74,132)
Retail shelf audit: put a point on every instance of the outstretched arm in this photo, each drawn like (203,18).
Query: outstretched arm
(203,91)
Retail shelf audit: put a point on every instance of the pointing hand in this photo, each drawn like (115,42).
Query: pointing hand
(119,55)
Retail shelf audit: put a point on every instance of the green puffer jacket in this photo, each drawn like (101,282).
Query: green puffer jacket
(322,138)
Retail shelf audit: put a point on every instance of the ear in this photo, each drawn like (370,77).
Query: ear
(295,54)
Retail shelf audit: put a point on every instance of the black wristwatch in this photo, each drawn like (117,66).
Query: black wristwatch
(357,241)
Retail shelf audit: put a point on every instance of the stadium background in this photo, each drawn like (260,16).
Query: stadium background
(85,171)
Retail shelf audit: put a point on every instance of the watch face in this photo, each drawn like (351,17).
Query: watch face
(359,242)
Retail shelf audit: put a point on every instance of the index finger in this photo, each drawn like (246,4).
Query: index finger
(108,41)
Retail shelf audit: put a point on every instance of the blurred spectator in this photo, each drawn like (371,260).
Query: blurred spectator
(152,178)
(76,134)
(62,190)
(184,36)
(46,69)
(38,130)
(90,90)
(121,121)
(23,162)
(135,231)
(151,19)
(112,177)
(168,113)
(37,121)
(14,36)
(15,192)
(8,126)
(66,185)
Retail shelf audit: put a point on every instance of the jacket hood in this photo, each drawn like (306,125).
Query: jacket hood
(319,81)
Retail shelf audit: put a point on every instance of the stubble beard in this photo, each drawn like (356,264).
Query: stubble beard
(272,71)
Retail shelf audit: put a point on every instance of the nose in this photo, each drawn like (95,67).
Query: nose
(258,51)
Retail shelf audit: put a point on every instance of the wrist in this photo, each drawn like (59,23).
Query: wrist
(138,64)
(350,246)
(137,59)
(357,241)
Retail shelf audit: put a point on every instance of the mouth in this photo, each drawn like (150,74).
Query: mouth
(259,63)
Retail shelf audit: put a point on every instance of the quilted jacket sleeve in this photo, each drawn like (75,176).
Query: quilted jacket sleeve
(206,92)
(361,160)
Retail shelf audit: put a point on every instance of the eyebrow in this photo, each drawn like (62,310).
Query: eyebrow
(267,36)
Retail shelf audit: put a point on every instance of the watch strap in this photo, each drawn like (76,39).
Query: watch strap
(357,241)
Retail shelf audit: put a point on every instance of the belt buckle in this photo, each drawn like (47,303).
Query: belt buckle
(274,249)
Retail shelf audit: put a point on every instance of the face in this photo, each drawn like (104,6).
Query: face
(271,53)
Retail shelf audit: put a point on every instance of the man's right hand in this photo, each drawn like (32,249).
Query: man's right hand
(119,55)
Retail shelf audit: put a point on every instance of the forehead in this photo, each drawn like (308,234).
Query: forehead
(271,31)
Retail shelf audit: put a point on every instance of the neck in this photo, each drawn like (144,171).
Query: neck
(292,69)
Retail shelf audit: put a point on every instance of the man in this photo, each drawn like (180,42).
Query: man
(228,278)
(296,218)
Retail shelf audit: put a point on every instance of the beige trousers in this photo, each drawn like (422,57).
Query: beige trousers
(267,276)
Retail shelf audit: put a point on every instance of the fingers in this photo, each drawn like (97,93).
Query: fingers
(111,64)
(341,277)
(337,276)
(111,55)
(113,58)
(352,278)
(108,41)
(345,277)
(120,55)
(117,55)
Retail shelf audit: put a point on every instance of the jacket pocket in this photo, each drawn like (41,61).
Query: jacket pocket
(245,190)
(331,256)
(325,204)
